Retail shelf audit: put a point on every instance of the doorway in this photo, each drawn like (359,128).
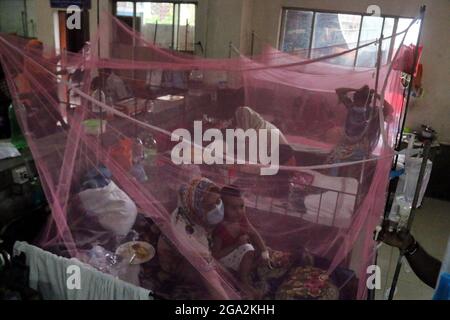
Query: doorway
(73,40)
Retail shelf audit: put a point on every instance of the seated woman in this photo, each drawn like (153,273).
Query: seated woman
(236,243)
(198,215)
(200,210)
(362,127)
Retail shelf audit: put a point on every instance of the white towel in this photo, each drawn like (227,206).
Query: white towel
(49,275)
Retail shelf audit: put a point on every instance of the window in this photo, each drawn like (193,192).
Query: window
(305,31)
(338,32)
(166,24)
(297,30)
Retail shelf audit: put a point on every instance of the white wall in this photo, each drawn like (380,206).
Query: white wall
(223,27)
(11,16)
(31,15)
(434,107)
(246,26)
(44,24)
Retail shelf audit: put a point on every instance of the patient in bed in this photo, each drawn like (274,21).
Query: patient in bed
(362,125)
(236,243)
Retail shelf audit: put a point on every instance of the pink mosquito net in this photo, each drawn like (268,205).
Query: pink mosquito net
(100,126)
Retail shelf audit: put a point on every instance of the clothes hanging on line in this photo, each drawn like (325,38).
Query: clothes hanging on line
(49,274)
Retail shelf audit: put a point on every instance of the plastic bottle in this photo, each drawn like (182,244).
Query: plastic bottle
(97,257)
(394,217)
(138,151)
(409,180)
(150,148)
(404,210)
(412,175)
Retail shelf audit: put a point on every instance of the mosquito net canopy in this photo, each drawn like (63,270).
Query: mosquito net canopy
(197,178)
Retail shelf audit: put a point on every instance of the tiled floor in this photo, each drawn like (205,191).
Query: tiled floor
(432,229)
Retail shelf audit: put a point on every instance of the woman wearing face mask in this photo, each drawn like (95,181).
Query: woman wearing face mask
(200,209)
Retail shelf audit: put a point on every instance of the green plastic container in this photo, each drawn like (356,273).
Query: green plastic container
(94,127)
(17,138)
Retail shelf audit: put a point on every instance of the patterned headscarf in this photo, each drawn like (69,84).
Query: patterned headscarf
(191,196)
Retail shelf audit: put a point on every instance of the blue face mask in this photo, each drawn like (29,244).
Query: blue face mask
(215,216)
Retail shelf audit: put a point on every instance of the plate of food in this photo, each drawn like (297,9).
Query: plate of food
(136,252)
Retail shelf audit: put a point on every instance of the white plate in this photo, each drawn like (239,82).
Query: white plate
(126,251)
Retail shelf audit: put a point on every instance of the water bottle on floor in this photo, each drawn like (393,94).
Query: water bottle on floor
(17,138)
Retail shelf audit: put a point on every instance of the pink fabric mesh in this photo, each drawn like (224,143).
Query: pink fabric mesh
(317,204)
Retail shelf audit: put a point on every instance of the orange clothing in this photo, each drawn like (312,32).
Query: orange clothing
(122,153)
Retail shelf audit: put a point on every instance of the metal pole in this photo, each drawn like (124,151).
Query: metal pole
(98,25)
(403,117)
(392,42)
(186,35)
(134,59)
(174,22)
(311,37)
(25,18)
(416,58)
(374,108)
(377,79)
(358,41)
(101,76)
(371,295)
(425,157)
(252,43)
(156,33)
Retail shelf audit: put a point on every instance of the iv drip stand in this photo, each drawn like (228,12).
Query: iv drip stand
(426,155)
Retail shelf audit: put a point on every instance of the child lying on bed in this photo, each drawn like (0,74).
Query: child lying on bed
(236,243)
